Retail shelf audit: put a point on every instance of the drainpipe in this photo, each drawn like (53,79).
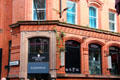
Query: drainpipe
(9,55)
(60,8)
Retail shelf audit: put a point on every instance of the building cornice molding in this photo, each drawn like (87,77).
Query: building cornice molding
(63,24)
(59,75)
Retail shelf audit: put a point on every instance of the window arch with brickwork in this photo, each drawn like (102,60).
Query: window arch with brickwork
(38,47)
(95,59)
(114,52)
(72,56)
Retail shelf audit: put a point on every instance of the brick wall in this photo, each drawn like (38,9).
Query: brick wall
(84,36)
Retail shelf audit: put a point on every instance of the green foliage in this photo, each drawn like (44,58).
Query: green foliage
(59,39)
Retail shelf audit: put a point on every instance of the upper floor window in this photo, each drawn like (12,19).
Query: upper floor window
(93,17)
(39,9)
(71,12)
(95,59)
(112,22)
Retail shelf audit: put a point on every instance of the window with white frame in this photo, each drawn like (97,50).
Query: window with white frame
(71,12)
(112,22)
(39,9)
(93,17)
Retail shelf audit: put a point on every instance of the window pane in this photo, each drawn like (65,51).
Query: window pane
(71,7)
(111,16)
(39,10)
(112,26)
(41,14)
(70,18)
(38,50)
(71,13)
(92,17)
(112,21)
(92,22)
(92,12)
(39,3)
(72,57)
(34,15)
(95,59)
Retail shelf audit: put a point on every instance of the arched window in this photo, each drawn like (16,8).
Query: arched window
(38,58)
(72,57)
(38,49)
(94,59)
(93,17)
(115,58)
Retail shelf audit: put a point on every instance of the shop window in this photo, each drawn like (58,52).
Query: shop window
(39,9)
(71,12)
(72,57)
(115,58)
(112,22)
(93,17)
(95,59)
(38,49)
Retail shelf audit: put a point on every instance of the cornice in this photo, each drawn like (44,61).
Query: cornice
(63,24)
(98,3)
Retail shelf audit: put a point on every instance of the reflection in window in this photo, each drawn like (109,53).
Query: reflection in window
(112,23)
(115,56)
(92,17)
(71,12)
(94,59)
(39,9)
(72,57)
(38,49)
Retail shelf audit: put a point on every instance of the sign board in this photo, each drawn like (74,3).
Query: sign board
(62,58)
(36,57)
(3,78)
(14,63)
(109,62)
(38,67)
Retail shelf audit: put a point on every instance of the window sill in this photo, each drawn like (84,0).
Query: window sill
(86,76)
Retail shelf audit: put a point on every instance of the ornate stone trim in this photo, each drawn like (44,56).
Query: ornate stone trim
(63,24)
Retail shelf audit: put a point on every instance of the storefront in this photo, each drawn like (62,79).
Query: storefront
(82,54)
(38,59)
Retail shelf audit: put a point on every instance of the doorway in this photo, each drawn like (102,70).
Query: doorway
(72,57)
(39,77)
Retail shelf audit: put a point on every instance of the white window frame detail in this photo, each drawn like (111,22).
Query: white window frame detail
(75,11)
(115,22)
(96,16)
(38,9)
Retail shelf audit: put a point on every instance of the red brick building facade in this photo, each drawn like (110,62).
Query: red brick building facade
(50,48)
